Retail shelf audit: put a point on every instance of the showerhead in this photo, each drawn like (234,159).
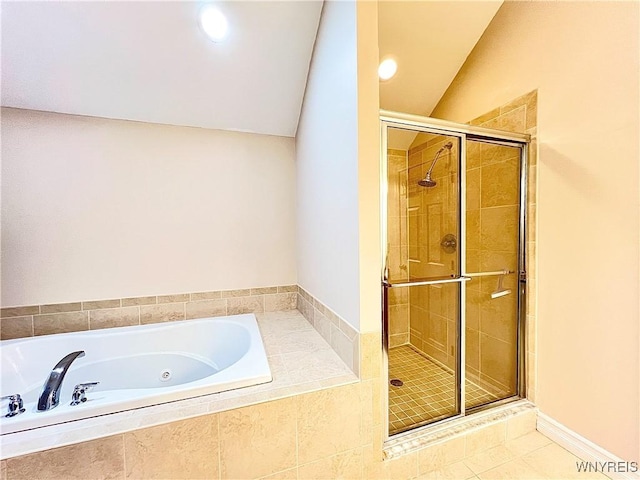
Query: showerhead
(427,181)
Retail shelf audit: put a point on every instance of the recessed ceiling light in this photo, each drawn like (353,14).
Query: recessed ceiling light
(387,69)
(214,23)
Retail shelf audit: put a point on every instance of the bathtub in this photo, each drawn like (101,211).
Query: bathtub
(136,366)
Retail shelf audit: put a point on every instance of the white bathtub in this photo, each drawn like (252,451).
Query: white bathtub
(132,364)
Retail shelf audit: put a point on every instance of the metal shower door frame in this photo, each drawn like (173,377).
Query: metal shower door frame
(463,132)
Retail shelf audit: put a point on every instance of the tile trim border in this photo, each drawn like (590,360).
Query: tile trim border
(35,320)
(343,338)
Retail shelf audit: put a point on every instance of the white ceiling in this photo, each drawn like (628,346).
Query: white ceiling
(430,41)
(150,62)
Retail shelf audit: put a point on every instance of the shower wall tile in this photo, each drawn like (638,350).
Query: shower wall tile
(27,321)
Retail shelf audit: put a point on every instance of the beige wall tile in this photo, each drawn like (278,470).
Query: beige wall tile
(439,455)
(500,183)
(114,317)
(61,307)
(399,319)
(485,438)
(187,450)
(96,304)
(486,117)
(319,438)
(181,297)
(161,313)
(19,311)
(498,362)
(280,302)
(499,228)
(370,355)
(288,289)
(206,308)
(205,296)
(346,465)
(60,323)
(129,302)
(3,470)
(245,305)
(513,121)
(236,293)
(16,327)
(264,290)
(101,458)
(265,433)
(322,324)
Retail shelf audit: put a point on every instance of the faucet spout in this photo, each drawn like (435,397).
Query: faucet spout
(50,396)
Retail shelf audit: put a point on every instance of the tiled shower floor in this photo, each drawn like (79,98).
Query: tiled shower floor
(428,391)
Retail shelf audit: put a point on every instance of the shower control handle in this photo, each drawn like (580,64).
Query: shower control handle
(16,405)
(79,391)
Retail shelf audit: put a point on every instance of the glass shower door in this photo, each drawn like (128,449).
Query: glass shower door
(423,281)
(492,262)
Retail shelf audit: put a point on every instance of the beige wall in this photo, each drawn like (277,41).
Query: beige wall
(327,168)
(99,209)
(583,59)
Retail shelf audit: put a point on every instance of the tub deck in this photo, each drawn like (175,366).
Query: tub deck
(300,359)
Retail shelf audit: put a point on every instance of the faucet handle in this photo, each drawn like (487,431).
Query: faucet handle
(78,395)
(15,405)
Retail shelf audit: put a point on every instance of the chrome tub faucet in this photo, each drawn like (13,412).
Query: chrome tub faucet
(50,396)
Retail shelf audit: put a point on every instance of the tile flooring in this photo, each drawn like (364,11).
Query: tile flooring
(427,393)
(530,457)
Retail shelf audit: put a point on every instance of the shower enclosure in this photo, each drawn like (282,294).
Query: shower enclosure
(453,210)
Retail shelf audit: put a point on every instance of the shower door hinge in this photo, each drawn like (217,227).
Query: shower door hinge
(523,276)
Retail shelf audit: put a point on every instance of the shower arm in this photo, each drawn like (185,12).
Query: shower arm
(433,164)
(435,160)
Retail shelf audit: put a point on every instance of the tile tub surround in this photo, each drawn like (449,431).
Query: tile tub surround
(342,337)
(300,360)
(33,320)
(333,432)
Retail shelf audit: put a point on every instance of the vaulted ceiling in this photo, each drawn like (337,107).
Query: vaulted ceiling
(150,61)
